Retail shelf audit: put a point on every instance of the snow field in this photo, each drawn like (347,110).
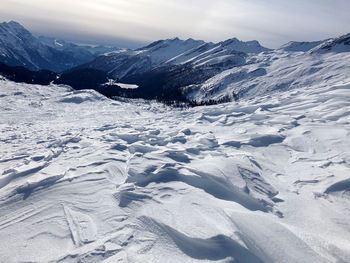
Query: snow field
(84,178)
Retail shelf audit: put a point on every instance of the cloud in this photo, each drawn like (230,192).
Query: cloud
(273,22)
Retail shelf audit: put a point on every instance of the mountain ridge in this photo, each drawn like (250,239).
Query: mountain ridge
(205,72)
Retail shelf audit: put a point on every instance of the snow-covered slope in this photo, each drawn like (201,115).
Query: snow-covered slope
(295,46)
(246,47)
(337,45)
(86,179)
(277,70)
(208,52)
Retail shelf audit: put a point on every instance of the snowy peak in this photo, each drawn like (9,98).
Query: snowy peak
(163,50)
(9,26)
(128,62)
(241,46)
(13,31)
(337,45)
(18,47)
(171,42)
(13,26)
(177,52)
(295,46)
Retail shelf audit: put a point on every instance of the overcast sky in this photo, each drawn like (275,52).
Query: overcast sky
(134,22)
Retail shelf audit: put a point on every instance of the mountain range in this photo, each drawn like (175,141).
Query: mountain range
(217,72)
(171,52)
(184,70)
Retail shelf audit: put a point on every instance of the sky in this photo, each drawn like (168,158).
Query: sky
(132,23)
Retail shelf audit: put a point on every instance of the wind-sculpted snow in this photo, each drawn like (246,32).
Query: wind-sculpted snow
(87,179)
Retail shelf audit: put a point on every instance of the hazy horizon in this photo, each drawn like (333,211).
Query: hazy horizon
(133,24)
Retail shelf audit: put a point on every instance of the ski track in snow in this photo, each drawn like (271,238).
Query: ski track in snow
(87,179)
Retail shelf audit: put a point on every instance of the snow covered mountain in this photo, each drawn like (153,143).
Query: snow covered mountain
(275,71)
(175,52)
(18,47)
(338,45)
(87,179)
(164,67)
(218,72)
(128,62)
(295,46)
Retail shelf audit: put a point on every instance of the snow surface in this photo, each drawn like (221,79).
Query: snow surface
(87,179)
